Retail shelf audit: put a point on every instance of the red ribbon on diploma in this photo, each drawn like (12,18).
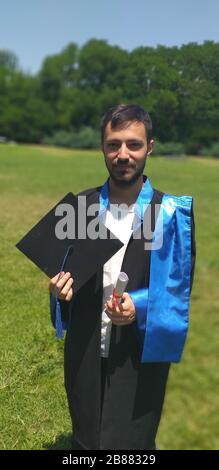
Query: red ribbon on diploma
(116,298)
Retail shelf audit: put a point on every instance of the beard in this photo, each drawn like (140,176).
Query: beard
(125,175)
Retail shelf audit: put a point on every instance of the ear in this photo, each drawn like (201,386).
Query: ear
(150,147)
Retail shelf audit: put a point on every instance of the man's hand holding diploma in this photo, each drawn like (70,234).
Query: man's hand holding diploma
(121,314)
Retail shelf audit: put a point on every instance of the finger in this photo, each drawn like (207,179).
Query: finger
(56,277)
(125,301)
(114,306)
(109,307)
(66,287)
(69,295)
(109,304)
(125,295)
(118,307)
(116,316)
(54,280)
(112,311)
(120,320)
(62,281)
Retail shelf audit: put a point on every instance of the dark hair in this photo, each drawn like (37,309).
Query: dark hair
(122,114)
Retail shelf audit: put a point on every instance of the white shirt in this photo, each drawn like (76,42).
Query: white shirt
(119,221)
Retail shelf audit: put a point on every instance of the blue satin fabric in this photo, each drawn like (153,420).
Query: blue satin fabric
(164,307)
(140,300)
(169,288)
(142,202)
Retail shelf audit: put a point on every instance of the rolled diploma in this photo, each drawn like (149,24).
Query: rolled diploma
(120,286)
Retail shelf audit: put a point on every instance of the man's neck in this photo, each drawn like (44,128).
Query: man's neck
(124,195)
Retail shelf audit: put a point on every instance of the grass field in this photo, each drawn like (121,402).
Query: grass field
(33,408)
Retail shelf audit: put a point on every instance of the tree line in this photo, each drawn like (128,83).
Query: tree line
(65,100)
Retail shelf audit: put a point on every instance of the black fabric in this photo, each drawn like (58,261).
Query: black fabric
(104,367)
(133,392)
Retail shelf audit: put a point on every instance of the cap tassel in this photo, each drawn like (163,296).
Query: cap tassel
(59,330)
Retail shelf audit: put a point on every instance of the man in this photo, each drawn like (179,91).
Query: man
(117,361)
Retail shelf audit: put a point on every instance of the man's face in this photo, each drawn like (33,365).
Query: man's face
(125,152)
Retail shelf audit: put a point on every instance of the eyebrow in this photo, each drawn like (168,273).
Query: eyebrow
(128,140)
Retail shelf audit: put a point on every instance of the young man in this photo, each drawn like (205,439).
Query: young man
(117,358)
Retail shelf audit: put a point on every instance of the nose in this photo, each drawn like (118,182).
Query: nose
(123,153)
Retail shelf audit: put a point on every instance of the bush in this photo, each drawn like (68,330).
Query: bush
(85,138)
(212,151)
(168,148)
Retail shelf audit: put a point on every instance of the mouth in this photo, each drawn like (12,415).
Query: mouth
(123,167)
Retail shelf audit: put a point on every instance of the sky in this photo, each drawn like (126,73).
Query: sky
(35,29)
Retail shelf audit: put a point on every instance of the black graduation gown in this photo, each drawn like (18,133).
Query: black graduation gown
(134,391)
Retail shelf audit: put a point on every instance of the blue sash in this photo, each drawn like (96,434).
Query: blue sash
(163,309)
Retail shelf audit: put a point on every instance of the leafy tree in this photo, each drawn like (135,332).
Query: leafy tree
(58,72)
(76,107)
(8,60)
(99,63)
(179,86)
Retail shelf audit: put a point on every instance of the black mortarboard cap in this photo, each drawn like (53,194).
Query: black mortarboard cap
(78,254)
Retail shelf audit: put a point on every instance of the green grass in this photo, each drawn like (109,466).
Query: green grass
(33,408)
